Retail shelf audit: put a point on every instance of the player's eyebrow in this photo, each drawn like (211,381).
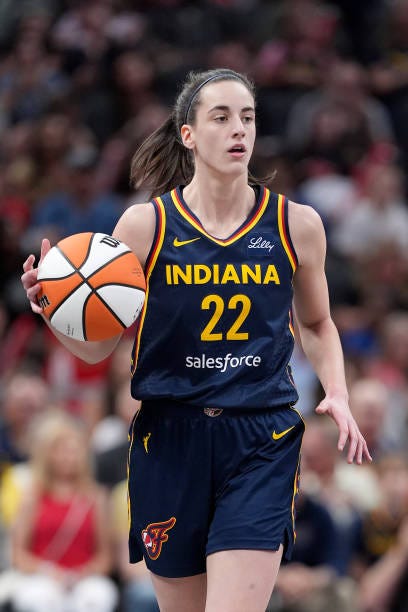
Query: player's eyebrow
(223,107)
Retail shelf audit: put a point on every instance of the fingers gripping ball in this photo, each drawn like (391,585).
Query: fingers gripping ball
(92,286)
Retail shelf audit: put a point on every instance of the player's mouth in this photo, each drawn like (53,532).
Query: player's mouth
(237,151)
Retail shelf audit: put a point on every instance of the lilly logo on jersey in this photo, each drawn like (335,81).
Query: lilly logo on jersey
(261,242)
(155,535)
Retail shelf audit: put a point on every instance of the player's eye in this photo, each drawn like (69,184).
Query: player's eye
(221,118)
(248,119)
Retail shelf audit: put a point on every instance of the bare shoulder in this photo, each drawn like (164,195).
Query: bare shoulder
(307,232)
(136,228)
(29,499)
(27,505)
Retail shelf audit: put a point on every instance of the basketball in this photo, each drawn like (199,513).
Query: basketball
(92,286)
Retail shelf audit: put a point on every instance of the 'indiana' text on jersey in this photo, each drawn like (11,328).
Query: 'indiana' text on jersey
(216,327)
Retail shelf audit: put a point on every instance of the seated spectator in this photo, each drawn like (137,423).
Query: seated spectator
(60,538)
(295,47)
(370,403)
(79,208)
(25,395)
(331,193)
(389,68)
(310,582)
(390,367)
(134,76)
(345,89)
(31,80)
(383,560)
(83,27)
(321,464)
(340,135)
(379,218)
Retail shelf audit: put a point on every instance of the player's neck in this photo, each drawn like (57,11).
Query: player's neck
(222,206)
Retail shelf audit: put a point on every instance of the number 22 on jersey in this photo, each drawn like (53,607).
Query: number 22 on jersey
(216,303)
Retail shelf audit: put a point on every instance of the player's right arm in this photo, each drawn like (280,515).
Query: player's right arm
(135,228)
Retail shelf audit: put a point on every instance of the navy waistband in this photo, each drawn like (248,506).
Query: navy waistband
(173,408)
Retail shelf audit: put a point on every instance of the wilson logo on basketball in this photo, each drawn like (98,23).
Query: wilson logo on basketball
(155,535)
(44,301)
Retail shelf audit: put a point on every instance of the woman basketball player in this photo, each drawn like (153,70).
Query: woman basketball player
(214,451)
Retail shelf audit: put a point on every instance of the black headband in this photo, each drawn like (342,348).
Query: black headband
(218,75)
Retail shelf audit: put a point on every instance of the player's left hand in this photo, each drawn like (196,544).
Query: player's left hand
(338,409)
(29,277)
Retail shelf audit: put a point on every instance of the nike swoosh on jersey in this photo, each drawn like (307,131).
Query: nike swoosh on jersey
(179,243)
(278,436)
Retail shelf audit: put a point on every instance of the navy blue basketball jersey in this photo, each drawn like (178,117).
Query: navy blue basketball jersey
(216,327)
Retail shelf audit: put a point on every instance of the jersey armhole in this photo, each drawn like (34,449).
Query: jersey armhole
(283,222)
(149,266)
(157,241)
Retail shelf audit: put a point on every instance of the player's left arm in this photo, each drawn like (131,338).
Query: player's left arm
(317,332)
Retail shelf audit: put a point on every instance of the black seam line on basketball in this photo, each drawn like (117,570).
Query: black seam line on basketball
(66,298)
(84,279)
(92,291)
(93,237)
(89,248)
(95,271)
(110,284)
(110,261)
(78,271)
(113,313)
(53,278)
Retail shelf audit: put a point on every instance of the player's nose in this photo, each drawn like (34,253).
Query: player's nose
(238,126)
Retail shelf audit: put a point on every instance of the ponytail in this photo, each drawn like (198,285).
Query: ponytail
(162,161)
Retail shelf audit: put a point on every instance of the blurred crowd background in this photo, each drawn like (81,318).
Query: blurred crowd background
(81,85)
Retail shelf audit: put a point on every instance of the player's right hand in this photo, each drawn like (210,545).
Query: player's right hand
(29,276)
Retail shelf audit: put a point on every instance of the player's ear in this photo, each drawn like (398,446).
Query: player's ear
(186,134)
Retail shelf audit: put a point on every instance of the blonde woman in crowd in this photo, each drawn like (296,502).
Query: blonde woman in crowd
(61,546)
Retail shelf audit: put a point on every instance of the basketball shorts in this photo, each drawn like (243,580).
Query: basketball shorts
(204,480)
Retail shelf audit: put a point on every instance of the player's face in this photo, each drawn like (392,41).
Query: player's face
(223,135)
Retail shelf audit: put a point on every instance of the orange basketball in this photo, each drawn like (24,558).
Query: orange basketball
(92,286)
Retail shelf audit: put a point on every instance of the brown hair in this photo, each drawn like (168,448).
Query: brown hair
(162,161)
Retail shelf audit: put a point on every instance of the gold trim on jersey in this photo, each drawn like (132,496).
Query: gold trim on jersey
(299,415)
(130,440)
(290,324)
(295,492)
(237,234)
(149,269)
(283,232)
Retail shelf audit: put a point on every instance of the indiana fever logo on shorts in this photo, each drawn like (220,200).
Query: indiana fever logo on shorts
(155,535)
